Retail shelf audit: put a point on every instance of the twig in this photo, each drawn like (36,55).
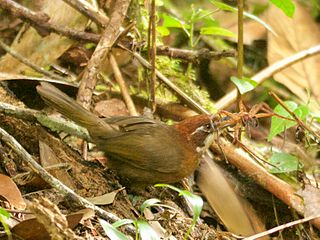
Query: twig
(53,123)
(229,98)
(152,54)
(271,183)
(194,56)
(30,64)
(103,48)
(240,56)
(55,183)
(123,86)
(40,20)
(12,76)
(23,12)
(193,104)
(299,121)
(240,39)
(281,227)
(89,11)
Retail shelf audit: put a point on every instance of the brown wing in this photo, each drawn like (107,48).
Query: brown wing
(146,146)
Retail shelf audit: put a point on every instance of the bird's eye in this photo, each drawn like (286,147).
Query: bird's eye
(207,128)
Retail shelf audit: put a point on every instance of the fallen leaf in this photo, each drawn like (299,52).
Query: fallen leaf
(105,199)
(31,229)
(232,209)
(293,35)
(311,199)
(112,107)
(44,51)
(10,191)
(48,158)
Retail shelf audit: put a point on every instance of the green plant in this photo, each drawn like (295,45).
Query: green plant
(143,230)
(279,125)
(4,216)
(195,201)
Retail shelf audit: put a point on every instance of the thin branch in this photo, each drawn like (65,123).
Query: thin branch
(240,56)
(30,64)
(53,123)
(152,54)
(103,48)
(240,39)
(41,22)
(281,227)
(264,74)
(89,11)
(123,86)
(12,76)
(194,56)
(193,104)
(55,183)
(271,183)
(299,121)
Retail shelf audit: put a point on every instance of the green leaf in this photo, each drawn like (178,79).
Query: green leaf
(287,6)
(244,84)
(122,222)
(47,67)
(148,203)
(111,231)
(216,31)
(4,216)
(302,112)
(4,213)
(201,14)
(259,20)
(146,231)
(172,22)
(278,125)
(226,7)
(159,3)
(195,201)
(163,31)
(316,118)
(223,6)
(284,163)
(210,22)
(90,45)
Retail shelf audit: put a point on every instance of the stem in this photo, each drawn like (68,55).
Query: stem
(240,46)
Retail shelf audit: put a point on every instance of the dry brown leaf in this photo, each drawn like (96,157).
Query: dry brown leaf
(105,199)
(48,158)
(156,226)
(311,199)
(31,229)
(44,50)
(111,107)
(12,76)
(252,30)
(231,208)
(293,35)
(10,191)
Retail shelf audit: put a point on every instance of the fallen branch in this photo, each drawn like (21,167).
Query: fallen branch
(271,183)
(55,183)
(229,98)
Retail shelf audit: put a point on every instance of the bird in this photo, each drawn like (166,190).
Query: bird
(142,151)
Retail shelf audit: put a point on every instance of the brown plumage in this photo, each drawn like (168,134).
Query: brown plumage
(140,149)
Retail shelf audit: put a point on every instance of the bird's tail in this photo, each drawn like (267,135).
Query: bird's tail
(72,110)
